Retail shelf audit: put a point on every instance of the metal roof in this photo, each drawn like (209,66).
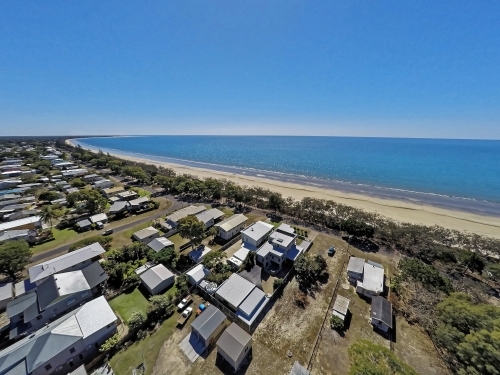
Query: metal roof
(355,265)
(198,273)
(59,286)
(139,201)
(208,321)
(20,304)
(197,254)
(208,215)
(118,206)
(184,212)
(94,274)
(381,310)
(18,223)
(252,302)
(160,243)
(341,305)
(298,369)
(233,341)
(241,254)
(257,230)
(6,292)
(146,232)
(52,266)
(84,223)
(98,217)
(155,275)
(235,289)
(232,222)
(373,278)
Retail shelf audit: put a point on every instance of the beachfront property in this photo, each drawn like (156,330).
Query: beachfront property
(341,307)
(381,314)
(231,226)
(355,269)
(63,344)
(146,235)
(256,234)
(157,279)
(73,261)
(372,283)
(171,222)
(160,243)
(280,246)
(209,217)
(53,297)
(234,345)
(242,297)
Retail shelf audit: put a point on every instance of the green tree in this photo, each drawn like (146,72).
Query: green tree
(336,323)
(137,319)
(49,196)
(181,284)
(168,256)
(275,202)
(77,182)
(192,228)
(358,228)
(94,201)
(14,257)
(160,306)
(277,283)
(110,343)
(48,214)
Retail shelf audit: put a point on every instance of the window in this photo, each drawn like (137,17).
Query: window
(72,350)
(88,347)
(48,367)
(71,301)
(81,356)
(39,317)
(85,294)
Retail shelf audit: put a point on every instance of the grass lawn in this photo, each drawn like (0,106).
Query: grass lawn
(141,191)
(227,211)
(145,350)
(61,237)
(125,304)
(252,218)
(125,238)
(178,240)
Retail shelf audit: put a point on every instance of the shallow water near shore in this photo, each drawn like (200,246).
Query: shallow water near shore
(454,174)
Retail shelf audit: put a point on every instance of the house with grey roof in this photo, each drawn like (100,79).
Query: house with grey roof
(341,307)
(232,226)
(146,235)
(75,260)
(197,274)
(103,184)
(118,207)
(355,269)
(138,204)
(157,279)
(210,217)
(14,235)
(127,195)
(6,294)
(298,369)
(102,218)
(172,221)
(381,313)
(31,222)
(63,344)
(234,345)
(208,325)
(256,234)
(373,280)
(54,296)
(83,225)
(160,243)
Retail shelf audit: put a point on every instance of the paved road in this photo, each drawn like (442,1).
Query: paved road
(64,249)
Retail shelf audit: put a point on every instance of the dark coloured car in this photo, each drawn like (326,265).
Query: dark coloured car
(331,251)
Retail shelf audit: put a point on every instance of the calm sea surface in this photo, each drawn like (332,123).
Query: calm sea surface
(462,174)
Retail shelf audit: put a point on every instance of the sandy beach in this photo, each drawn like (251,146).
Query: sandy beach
(394,209)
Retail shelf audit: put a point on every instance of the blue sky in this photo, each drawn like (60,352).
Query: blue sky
(362,68)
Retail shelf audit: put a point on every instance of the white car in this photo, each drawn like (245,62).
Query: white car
(184,303)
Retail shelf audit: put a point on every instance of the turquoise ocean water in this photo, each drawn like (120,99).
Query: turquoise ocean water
(459,174)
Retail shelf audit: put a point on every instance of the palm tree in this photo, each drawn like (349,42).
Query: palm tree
(47,215)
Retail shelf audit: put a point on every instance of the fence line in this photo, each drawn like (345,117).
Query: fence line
(328,312)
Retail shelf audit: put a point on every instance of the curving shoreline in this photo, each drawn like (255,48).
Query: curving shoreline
(404,211)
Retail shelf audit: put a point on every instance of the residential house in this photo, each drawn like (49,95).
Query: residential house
(355,269)
(146,235)
(103,184)
(73,261)
(381,313)
(92,177)
(110,192)
(84,225)
(280,247)
(207,327)
(63,165)
(197,274)
(127,195)
(20,215)
(298,369)
(256,234)
(234,345)
(70,190)
(32,222)
(74,172)
(63,344)
(373,280)
(242,297)
(197,254)
(157,279)
(210,217)
(22,234)
(231,226)
(119,207)
(160,243)
(99,218)
(139,204)
(171,222)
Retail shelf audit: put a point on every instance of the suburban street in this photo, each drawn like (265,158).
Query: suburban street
(153,216)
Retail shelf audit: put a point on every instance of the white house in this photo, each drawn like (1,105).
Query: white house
(146,235)
(373,280)
(103,184)
(355,269)
(157,279)
(256,234)
(197,274)
(160,243)
(231,226)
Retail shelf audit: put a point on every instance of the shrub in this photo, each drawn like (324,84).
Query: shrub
(336,322)
(110,343)
(137,319)
(277,283)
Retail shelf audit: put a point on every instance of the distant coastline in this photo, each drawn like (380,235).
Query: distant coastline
(407,209)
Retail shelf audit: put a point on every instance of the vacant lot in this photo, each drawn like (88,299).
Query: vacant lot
(287,327)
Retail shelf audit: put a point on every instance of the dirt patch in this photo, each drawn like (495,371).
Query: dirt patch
(171,360)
